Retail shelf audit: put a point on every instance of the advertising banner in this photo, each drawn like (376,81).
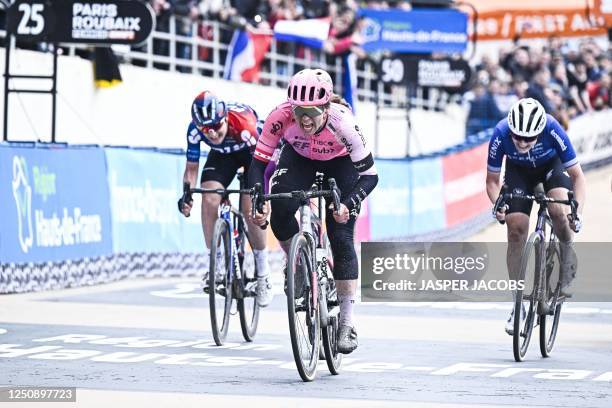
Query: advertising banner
(408,200)
(416,31)
(426,72)
(464,184)
(591,137)
(144,188)
(54,204)
(84,21)
(505,25)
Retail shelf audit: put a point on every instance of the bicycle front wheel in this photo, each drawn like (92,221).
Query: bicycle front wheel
(525,301)
(549,322)
(219,282)
(330,345)
(302,308)
(247,306)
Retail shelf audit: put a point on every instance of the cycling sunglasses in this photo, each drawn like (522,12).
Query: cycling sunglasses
(206,129)
(310,111)
(524,139)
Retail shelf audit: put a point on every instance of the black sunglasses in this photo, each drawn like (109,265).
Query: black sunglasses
(523,138)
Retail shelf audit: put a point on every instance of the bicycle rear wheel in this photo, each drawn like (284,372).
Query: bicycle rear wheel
(303,311)
(531,261)
(549,323)
(220,299)
(247,306)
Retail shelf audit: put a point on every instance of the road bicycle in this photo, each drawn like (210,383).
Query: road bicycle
(312,302)
(232,267)
(540,272)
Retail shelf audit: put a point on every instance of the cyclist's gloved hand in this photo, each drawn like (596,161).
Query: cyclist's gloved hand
(261,218)
(343,214)
(500,214)
(575,223)
(184,207)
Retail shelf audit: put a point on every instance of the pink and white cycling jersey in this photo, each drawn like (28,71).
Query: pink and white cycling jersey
(340,137)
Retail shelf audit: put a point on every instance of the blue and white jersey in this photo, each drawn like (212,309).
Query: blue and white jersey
(551,143)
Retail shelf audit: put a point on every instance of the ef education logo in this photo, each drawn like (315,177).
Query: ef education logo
(22,193)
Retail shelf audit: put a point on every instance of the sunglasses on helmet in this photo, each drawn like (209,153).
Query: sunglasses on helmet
(523,138)
(310,111)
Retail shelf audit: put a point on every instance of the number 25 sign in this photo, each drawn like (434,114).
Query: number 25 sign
(81,21)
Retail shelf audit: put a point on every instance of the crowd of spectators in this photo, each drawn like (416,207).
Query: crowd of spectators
(260,16)
(567,81)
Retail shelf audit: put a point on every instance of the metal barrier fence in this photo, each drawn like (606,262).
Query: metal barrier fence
(179,48)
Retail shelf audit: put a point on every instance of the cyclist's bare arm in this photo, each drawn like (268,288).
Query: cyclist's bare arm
(579,184)
(493,185)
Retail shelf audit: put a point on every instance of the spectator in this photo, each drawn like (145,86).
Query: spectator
(483,113)
(504,96)
(315,8)
(518,63)
(578,79)
(599,93)
(537,88)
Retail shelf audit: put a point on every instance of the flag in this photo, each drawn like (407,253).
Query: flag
(349,78)
(310,32)
(246,51)
(106,67)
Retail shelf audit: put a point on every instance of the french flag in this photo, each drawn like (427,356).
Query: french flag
(245,54)
(310,32)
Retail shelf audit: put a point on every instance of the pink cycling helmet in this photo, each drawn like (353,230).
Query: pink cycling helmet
(310,87)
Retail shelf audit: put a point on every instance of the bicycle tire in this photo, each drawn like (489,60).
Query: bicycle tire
(547,338)
(330,345)
(247,306)
(220,243)
(309,333)
(522,335)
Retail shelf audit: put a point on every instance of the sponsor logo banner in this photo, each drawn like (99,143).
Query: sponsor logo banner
(408,200)
(505,25)
(464,184)
(54,205)
(144,188)
(417,31)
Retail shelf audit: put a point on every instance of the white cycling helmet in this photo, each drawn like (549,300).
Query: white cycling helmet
(527,118)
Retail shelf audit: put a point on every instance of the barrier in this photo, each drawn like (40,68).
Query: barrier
(83,215)
(144,187)
(50,211)
(115,216)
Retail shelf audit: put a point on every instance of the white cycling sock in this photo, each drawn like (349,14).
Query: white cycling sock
(261,258)
(346,309)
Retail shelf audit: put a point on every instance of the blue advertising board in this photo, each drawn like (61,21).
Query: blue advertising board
(144,188)
(408,200)
(54,204)
(416,31)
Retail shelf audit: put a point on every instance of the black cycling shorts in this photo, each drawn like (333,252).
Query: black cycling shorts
(222,167)
(295,172)
(522,180)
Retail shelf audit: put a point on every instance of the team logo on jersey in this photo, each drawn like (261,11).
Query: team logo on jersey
(246,137)
(360,135)
(276,127)
(494,146)
(349,146)
(194,137)
(559,140)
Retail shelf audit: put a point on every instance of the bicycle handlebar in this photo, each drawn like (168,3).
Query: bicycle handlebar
(505,197)
(258,198)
